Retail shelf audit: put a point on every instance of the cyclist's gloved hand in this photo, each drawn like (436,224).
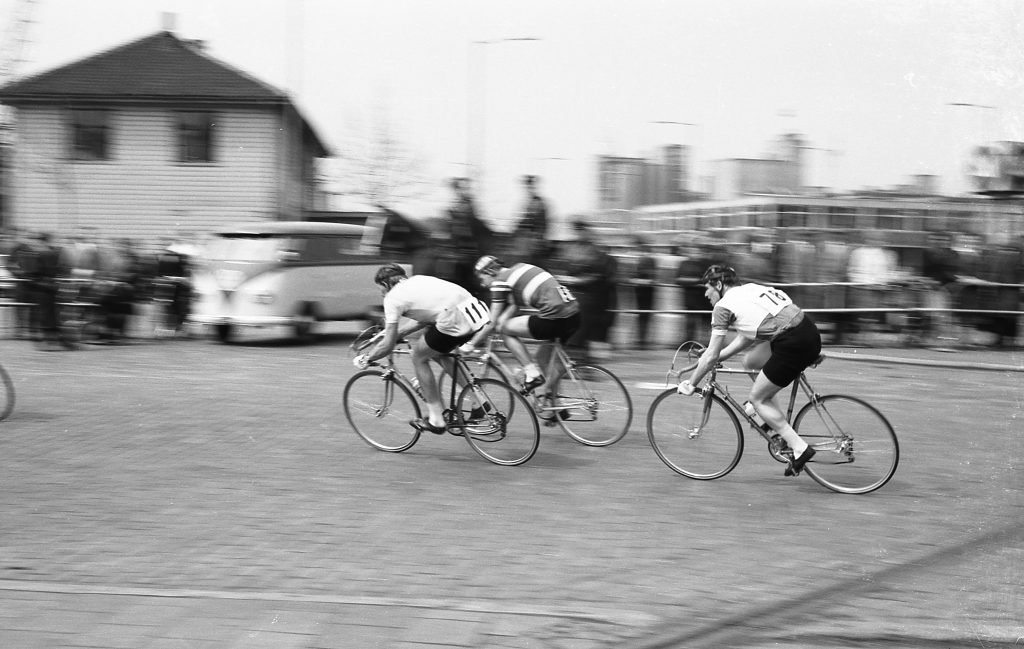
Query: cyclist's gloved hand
(361,362)
(467,348)
(686,388)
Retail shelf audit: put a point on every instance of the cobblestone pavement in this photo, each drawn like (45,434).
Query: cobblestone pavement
(189,494)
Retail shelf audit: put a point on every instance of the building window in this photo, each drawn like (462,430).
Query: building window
(90,134)
(195,137)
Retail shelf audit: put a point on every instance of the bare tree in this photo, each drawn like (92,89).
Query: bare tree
(375,165)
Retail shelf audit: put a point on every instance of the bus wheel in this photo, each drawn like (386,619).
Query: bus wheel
(223,332)
(304,322)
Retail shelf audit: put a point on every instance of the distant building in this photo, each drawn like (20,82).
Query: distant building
(997,168)
(155,138)
(628,182)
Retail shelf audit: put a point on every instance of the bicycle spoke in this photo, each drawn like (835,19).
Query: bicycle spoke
(498,422)
(857,450)
(696,436)
(379,408)
(591,405)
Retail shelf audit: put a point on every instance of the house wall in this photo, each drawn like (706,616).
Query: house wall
(142,191)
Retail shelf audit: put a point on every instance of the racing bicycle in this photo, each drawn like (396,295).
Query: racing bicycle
(700,436)
(589,402)
(495,419)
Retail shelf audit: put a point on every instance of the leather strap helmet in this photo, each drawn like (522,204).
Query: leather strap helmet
(488,265)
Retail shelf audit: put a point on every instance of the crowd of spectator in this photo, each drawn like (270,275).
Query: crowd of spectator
(110,276)
(855,283)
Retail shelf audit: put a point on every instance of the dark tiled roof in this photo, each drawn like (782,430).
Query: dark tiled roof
(160,66)
(157,68)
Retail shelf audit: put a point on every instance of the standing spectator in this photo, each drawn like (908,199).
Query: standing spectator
(759,260)
(44,279)
(833,260)
(590,273)
(644,278)
(970,253)
(940,267)
(121,273)
(21,263)
(469,236)
(1001,266)
(875,268)
(530,237)
(796,266)
(174,286)
(695,258)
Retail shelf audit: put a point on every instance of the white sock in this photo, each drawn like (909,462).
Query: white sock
(435,415)
(795,442)
(531,371)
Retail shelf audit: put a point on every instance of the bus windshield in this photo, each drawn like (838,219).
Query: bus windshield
(249,248)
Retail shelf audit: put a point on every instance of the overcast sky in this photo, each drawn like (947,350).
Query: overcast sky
(868,82)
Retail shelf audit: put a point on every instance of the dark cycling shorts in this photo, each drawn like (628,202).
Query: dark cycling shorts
(558,329)
(443,343)
(793,351)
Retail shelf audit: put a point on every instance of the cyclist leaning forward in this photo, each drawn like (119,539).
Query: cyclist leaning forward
(525,286)
(449,314)
(782,339)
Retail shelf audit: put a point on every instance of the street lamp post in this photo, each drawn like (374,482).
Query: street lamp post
(475,157)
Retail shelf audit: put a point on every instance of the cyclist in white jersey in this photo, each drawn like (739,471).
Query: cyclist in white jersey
(450,316)
(782,339)
(525,286)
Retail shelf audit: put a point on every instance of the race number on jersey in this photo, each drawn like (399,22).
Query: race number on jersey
(772,300)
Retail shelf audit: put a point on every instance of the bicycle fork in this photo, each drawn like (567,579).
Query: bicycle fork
(705,413)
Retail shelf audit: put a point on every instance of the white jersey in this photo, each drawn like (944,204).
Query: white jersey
(753,311)
(449,307)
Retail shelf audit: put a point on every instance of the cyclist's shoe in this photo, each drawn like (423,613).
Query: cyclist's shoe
(423,424)
(550,417)
(535,382)
(797,465)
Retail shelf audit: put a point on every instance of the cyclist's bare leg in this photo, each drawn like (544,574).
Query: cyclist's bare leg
(762,395)
(422,355)
(512,330)
(546,359)
(756,357)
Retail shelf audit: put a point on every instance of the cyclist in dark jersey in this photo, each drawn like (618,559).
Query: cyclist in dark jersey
(525,286)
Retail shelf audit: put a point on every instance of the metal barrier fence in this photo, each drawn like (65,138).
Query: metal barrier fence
(966,306)
(963,303)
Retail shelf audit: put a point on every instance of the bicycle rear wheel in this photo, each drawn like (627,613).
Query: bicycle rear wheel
(379,407)
(498,422)
(857,450)
(6,394)
(592,405)
(696,436)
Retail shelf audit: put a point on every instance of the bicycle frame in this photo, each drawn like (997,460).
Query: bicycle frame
(713,386)
(459,368)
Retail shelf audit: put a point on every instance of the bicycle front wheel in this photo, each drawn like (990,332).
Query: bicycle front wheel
(498,422)
(697,436)
(379,407)
(857,451)
(592,406)
(6,394)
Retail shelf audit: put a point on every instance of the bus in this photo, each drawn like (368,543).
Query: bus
(291,274)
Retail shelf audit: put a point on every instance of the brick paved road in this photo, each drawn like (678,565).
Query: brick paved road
(189,494)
